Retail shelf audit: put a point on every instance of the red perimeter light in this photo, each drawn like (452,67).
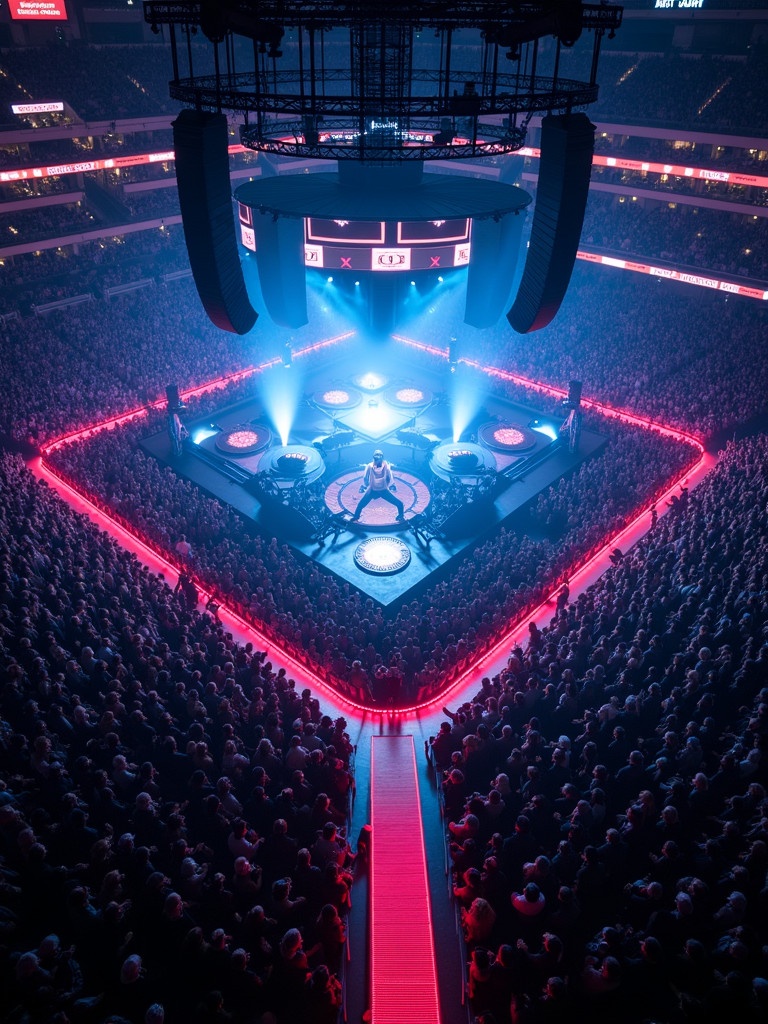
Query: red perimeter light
(582,574)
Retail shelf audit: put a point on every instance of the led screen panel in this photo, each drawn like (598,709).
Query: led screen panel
(38,10)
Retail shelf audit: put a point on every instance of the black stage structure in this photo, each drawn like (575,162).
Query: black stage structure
(381,87)
(457,487)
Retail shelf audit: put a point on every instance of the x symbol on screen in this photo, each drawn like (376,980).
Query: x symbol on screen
(346,262)
(434,261)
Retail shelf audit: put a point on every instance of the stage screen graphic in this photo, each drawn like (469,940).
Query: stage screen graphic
(422,232)
(378,246)
(387,247)
(361,232)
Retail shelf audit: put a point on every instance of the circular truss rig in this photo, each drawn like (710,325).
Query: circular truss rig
(383,80)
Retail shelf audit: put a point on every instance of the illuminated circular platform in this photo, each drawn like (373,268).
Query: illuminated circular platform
(507,437)
(244,439)
(408,396)
(382,556)
(461,460)
(293,462)
(342,495)
(337,399)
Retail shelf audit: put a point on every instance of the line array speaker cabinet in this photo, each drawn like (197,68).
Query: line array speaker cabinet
(567,146)
(202,173)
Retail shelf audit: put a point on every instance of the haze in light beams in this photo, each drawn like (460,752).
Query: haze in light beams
(280,391)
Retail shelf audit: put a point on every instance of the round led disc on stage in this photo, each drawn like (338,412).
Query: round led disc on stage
(336,399)
(244,439)
(408,396)
(382,556)
(507,437)
(342,496)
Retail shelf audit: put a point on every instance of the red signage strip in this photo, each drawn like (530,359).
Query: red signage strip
(55,170)
(599,160)
(38,10)
(680,171)
(676,170)
(718,284)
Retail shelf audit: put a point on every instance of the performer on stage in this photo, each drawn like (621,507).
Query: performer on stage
(378,483)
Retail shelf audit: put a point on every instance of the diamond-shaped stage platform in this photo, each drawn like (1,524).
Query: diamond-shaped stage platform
(332,441)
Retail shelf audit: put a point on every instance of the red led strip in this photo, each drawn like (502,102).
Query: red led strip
(715,283)
(598,160)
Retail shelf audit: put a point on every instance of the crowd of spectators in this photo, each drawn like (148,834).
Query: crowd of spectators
(132,81)
(677,185)
(172,809)
(153,203)
(605,794)
(82,365)
(30,279)
(730,243)
(677,89)
(32,225)
(30,188)
(674,353)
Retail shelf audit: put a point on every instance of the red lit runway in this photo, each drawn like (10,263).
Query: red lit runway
(403,977)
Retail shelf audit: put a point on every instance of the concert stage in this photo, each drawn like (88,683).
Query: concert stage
(455,492)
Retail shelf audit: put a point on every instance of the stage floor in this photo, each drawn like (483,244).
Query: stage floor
(229,477)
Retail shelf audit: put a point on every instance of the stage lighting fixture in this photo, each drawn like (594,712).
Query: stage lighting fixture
(329,280)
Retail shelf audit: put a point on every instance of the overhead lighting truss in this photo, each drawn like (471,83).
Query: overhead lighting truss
(382,80)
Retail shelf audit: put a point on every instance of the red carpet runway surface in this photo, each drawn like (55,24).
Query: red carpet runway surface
(403,977)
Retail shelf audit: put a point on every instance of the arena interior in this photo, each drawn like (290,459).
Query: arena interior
(374,647)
